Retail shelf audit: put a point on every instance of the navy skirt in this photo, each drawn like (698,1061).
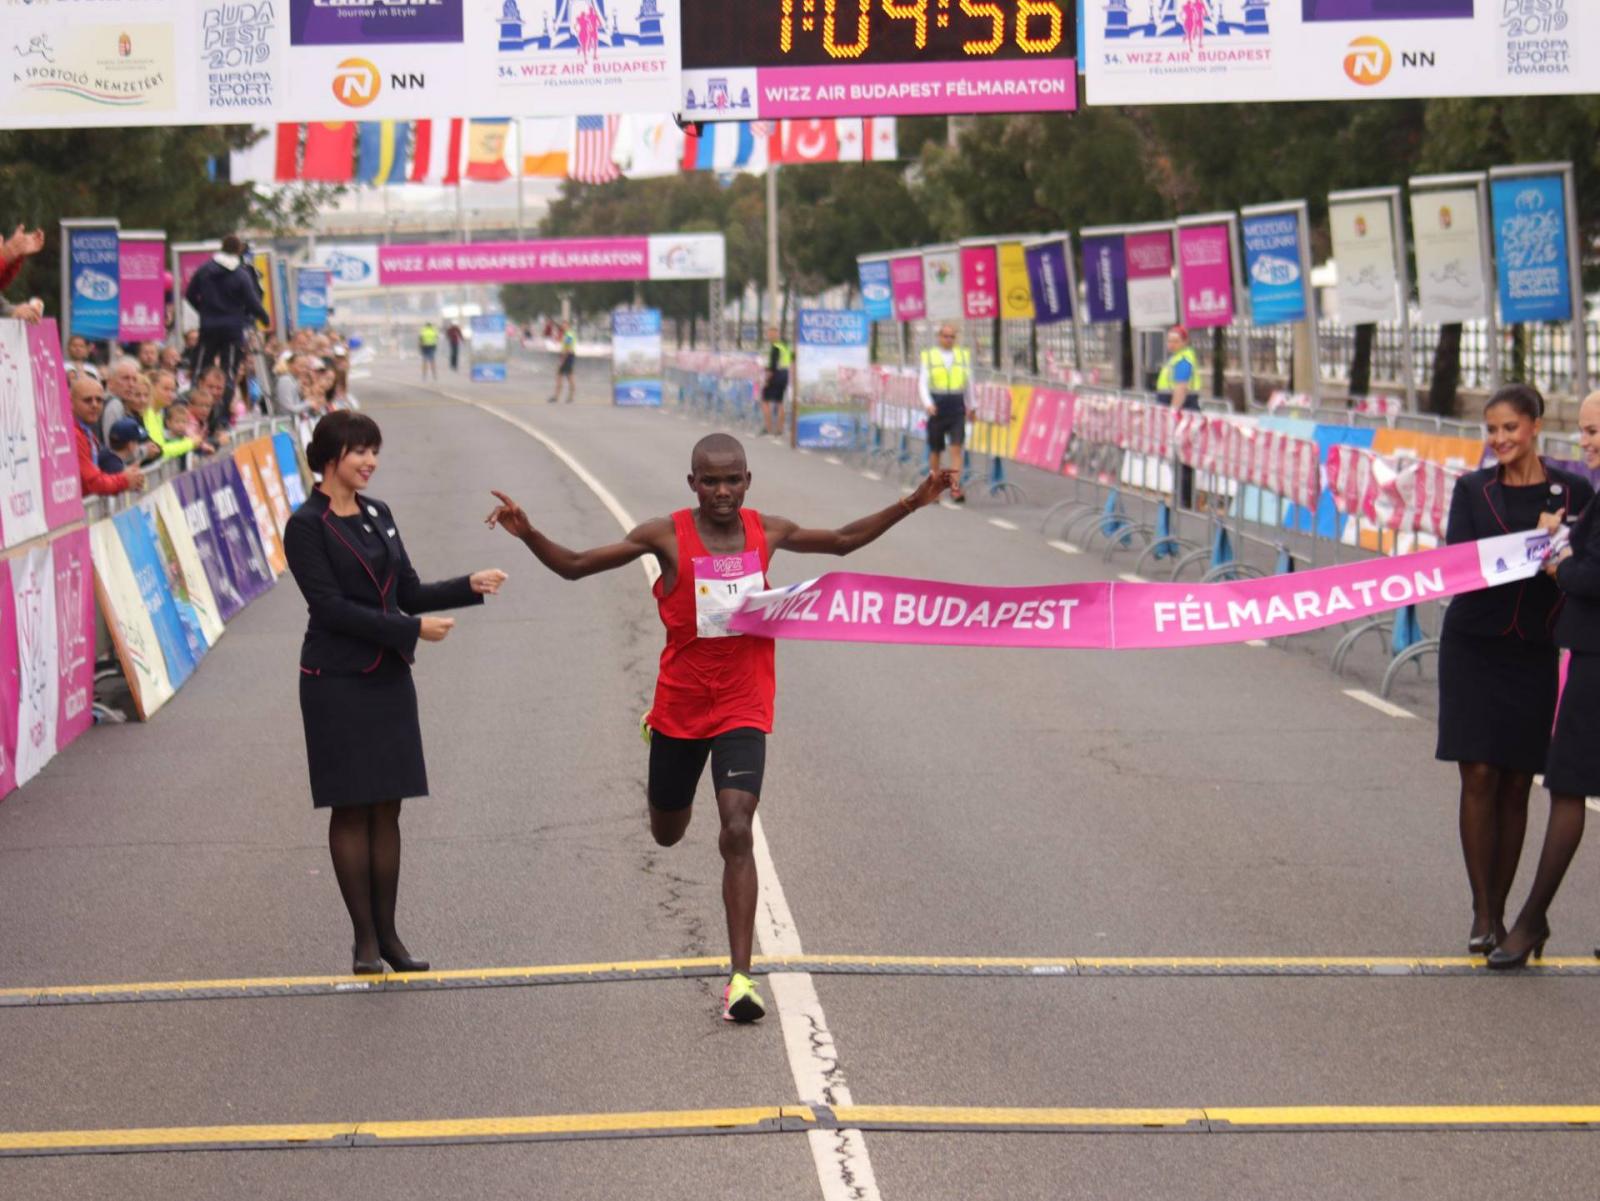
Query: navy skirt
(1573,768)
(363,740)
(1497,701)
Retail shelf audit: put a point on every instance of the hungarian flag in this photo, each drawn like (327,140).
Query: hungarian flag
(330,151)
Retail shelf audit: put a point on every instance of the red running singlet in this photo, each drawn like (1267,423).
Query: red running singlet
(712,681)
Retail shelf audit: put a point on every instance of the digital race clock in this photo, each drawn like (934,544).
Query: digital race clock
(814,58)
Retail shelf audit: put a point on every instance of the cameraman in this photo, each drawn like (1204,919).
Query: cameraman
(227,295)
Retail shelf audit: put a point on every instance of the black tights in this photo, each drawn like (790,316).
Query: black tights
(1494,817)
(1561,838)
(365,843)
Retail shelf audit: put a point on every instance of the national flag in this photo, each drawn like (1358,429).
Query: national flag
(398,134)
(593,141)
(421,151)
(848,133)
(648,146)
(882,139)
(330,151)
(381,152)
(546,146)
(810,141)
(451,163)
(487,139)
(728,146)
(287,167)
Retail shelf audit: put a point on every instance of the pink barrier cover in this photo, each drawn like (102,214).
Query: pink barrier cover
(980,281)
(58,456)
(74,636)
(561,260)
(1205,261)
(851,607)
(10,682)
(910,293)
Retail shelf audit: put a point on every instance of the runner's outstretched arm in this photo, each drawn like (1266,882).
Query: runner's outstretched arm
(647,539)
(783,534)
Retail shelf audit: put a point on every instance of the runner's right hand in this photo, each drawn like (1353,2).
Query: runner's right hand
(508,515)
(434,629)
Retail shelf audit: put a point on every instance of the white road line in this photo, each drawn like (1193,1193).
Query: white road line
(1000,523)
(1256,642)
(1065,548)
(871,475)
(1593,803)
(802,450)
(1377,702)
(1131,578)
(833,462)
(844,1169)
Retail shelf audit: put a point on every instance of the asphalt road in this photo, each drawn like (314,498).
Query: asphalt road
(1231,801)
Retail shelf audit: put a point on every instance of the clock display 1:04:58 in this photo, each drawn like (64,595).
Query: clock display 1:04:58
(846,26)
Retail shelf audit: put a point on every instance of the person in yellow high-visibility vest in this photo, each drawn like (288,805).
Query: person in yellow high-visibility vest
(568,361)
(943,383)
(1178,385)
(428,344)
(780,358)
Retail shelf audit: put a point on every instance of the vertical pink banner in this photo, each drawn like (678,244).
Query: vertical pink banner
(1035,441)
(910,294)
(1206,265)
(141,304)
(1061,433)
(58,456)
(10,682)
(980,282)
(74,636)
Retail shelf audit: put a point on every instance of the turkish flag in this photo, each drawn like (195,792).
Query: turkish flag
(812,141)
(287,166)
(330,151)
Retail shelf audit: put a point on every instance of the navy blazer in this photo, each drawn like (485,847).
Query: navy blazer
(1578,625)
(1526,609)
(355,616)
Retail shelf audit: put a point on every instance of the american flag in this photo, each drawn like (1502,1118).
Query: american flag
(591,151)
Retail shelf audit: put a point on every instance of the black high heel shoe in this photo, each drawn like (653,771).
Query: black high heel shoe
(1501,960)
(403,963)
(363,967)
(1482,944)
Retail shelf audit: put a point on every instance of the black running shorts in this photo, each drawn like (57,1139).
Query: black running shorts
(738,761)
(948,423)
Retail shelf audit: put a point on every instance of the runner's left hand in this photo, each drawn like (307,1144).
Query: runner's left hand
(487,583)
(931,487)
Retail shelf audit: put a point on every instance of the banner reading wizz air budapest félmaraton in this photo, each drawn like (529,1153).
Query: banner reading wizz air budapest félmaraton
(852,607)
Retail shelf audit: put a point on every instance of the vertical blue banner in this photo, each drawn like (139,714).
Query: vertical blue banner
(636,356)
(1052,287)
(877,292)
(311,298)
(1530,248)
(1105,277)
(93,254)
(1272,261)
(488,348)
(155,594)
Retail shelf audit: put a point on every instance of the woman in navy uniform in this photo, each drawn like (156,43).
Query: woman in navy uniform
(363,742)
(1497,657)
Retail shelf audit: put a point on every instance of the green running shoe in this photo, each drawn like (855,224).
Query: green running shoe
(741,1002)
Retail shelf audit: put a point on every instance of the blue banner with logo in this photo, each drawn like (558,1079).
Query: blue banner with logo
(1272,261)
(877,292)
(311,298)
(636,357)
(1530,248)
(1052,286)
(93,254)
(155,593)
(829,343)
(1105,277)
(488,348)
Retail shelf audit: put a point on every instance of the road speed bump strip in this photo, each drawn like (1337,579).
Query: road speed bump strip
(792,1119)
(975,966)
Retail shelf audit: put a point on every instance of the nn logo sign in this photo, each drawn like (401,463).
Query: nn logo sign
(357,82)
(1368,60)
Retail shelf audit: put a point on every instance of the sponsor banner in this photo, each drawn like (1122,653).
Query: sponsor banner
(1105,277)
(877,291)
(10,682)
(244,463)
(1363,251)
(565,260)
(910,294)
(166,555)
(374,22)
(33,589)
(241,54)
(636,356)
(74,664)
(190,582)
(1176,52)
(141,299)
(1047,429)
(235,523)
(941,281)
(190,489)
(52,406)
(1049,282)
(1206,274)
(1016,293)
(22,511)
(155,595)
(980,284)
(261,260)
(828,341)
(1152,301)
(350,265)
(1272,265)
(311,298)
(1452,278)
(93,272)
(883,90)
(130,623)
(686,256)
(265,457)
(78,71)
(294,484)
(853,607)
(489,348)
(1530,246)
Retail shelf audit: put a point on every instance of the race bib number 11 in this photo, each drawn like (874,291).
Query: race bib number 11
(720,584)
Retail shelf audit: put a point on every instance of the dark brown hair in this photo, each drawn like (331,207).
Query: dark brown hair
(1524,398)
(337,434)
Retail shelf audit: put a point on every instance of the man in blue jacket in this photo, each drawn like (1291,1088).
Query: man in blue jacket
(226,297)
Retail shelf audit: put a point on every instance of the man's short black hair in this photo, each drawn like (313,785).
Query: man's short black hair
(337,434)
(714,444)
(233,244)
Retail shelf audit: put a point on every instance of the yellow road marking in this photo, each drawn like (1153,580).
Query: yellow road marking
(981,1118)
(171,1136)
(574,1123)
(1408,1115)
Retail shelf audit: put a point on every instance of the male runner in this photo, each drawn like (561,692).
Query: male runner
(715,688)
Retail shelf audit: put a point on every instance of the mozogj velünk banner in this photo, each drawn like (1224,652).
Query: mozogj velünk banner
(1272,265)
(877,291)
(94,274)
(851,607)
(636,356)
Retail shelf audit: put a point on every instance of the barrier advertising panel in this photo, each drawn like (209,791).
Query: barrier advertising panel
(191,495)
(294,485)
(1105,277)
(980,283)
(1363,248)
(74,593)
(265,457)
(877,292)
(1207,275)
(155,594)
(489,348)
(910,296)
(1530,245)
(52,405)
(1273,265)
(1452,277)
(1016,293)
(1050,280)
(132,631)
(828,340)
(142,303)
(33,588)
(1152,302)
(22,514)
(244,462)
(93,270)
(941,276)
(310,298)
(636,356)
(190,581)
(10,680)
